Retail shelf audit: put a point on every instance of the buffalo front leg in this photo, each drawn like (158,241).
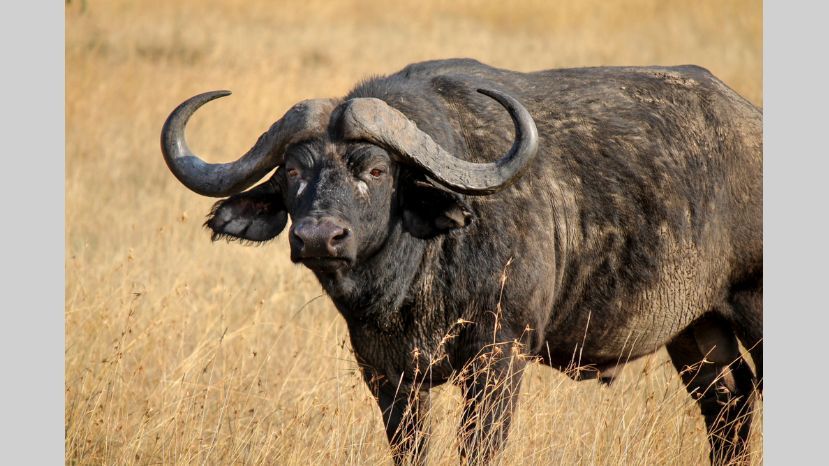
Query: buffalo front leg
(490,385)
(404,410)
(715,374)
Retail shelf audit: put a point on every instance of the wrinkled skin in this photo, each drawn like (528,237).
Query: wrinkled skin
(638,225)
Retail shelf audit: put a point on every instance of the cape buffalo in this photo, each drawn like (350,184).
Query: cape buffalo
(619,211)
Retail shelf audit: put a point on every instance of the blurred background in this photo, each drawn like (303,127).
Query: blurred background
(180,350)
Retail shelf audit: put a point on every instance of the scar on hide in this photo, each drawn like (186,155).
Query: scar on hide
(362,188)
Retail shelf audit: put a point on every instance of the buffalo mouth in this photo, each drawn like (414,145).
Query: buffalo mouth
(325,264)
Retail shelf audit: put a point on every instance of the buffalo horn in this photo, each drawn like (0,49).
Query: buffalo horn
(302,121)
(375,121)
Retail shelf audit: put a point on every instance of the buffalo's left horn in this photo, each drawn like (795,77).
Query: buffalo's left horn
(375,121)
(302,121)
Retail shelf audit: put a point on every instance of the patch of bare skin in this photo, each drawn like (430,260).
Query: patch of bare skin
(362,188)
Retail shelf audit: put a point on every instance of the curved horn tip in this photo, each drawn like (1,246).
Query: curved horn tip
(222,92)
(512,104)
(490,93)
(219,93)
(186,109)
(501,97)
(210,95)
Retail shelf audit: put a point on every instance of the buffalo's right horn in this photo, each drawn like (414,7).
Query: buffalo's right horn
(375,121)
(302,121)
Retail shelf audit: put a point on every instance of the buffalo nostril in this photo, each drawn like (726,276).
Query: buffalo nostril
(336,239)
(340,236)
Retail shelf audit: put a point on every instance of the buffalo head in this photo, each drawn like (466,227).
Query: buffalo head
(346,173)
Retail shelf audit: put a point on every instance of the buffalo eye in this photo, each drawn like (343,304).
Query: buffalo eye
(293,172)
(376,172)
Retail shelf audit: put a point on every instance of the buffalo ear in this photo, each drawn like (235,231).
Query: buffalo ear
(429,211)
(255,215)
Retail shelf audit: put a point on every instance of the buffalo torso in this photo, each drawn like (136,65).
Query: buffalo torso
(641,208)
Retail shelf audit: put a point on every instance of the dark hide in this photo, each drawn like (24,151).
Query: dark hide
(639,218)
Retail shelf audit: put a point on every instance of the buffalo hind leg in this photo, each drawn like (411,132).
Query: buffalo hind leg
(404,410)
(490,385)
(709,362)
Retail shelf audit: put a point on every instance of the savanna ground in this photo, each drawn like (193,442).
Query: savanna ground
(181,351)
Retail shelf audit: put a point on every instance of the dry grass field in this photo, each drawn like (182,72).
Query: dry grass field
(181,351)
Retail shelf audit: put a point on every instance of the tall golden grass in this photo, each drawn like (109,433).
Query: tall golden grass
(181,351)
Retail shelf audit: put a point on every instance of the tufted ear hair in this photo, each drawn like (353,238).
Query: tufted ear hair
(255,215)
(429,211)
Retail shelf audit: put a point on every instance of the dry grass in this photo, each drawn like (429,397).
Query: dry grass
(182,351)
